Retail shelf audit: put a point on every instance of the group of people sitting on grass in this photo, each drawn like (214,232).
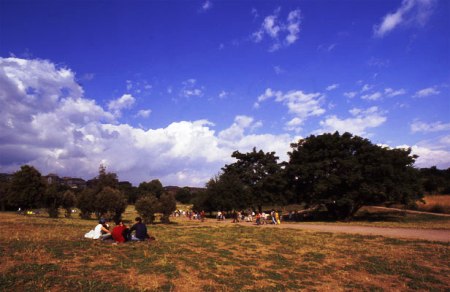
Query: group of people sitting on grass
(260,217)
(120,233)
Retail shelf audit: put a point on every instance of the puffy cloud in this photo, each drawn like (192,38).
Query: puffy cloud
(372,96)
(391,92)
(410,12)
(388,92)
(144,113)
(301,105)
(191,89)
(433,152)
(426,92)
(138,87)
(350,94)
(418,126)
(46,121)
(124,102)
(360,121)
(332,87)
(280,33)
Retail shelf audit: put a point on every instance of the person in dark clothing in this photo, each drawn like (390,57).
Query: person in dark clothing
(140,230)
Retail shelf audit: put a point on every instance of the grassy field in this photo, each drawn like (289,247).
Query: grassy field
(40,254)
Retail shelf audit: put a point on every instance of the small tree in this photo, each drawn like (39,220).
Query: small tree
(4,189)
(147,206)
(68,202)
(86,203)
(168,205)
(52,199)
(26,189)
(110,200)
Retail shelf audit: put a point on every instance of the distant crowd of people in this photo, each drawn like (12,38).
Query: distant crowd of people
(120,233)
(260,218)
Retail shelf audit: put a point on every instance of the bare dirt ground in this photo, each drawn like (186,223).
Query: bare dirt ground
(410,233)
(411,211)
(406,233)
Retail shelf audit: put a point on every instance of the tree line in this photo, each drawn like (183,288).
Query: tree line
(338,173)
(104,197)
(333,172)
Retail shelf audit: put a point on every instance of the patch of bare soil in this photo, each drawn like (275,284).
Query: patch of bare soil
(407,233)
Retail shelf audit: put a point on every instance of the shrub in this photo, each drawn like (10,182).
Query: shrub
(68,201)
(86,203)
(168,204)
(147,206)
(110,200)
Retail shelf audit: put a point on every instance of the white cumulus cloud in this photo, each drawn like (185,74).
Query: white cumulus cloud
(358,124)
(410,12)
(332,87)
(372,96)
(392,92)
(124,102)
(46,121)
(426,92)
(190,88)
(144,113)
(281,33)
(300,104)
(418,126)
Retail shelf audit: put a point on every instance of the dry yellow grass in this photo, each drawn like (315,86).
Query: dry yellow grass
(45,254)
(435,203)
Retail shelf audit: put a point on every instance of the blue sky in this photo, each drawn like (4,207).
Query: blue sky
(169,89)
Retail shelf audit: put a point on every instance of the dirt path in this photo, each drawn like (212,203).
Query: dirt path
(410,211)
(407,233)
(410,233)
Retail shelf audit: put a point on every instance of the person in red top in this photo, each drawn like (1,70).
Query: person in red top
(119,233)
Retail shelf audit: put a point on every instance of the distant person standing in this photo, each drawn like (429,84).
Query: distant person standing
(277,218)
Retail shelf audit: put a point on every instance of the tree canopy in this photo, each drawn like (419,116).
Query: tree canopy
(345,172)
(260,176)
(26,189)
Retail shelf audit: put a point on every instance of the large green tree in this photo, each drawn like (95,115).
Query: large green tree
(345,172)
(225,193)
(27,188)
(260,173)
